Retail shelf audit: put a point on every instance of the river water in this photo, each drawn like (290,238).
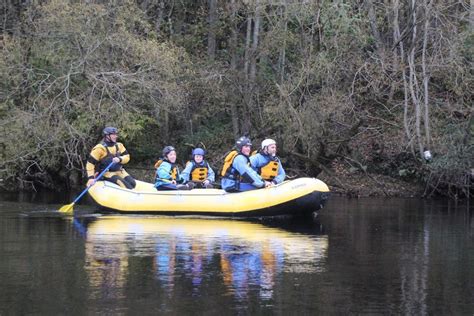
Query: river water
(359,256)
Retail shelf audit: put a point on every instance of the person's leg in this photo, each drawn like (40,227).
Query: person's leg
(117,180)
(128,179)
(167,187)
(187,186)
(130,182)
(197,185)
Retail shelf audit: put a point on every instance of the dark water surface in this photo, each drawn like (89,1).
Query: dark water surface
(365,256)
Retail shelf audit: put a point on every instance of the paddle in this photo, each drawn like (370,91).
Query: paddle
(69,207)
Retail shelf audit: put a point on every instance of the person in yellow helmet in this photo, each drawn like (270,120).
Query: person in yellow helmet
(107,151)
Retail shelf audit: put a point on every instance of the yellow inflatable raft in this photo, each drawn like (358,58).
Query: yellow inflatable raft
(295,197)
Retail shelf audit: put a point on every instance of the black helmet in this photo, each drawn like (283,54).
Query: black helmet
(167,150)
(243,141)
(109,130)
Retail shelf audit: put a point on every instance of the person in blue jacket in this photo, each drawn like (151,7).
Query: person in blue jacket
(198,171)
(167,172)
(267,164)
(237,173)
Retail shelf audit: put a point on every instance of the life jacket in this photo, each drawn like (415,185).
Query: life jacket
(174,168)
(199,172)
(104,162)
(227,170)
(270,170)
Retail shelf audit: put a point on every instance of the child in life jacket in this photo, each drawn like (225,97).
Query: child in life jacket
(167,172)
(198,171)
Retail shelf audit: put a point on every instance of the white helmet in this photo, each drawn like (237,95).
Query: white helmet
(268,142)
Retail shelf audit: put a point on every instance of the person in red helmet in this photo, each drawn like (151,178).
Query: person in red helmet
(107,151)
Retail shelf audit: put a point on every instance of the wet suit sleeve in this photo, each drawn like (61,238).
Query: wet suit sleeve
(179,176)
(257,161)
(211,176)
(163,171)
(281,174)
(240,164)
(96,155)
(124,155)
(187,171)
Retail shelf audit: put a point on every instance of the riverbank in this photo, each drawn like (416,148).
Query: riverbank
(360,183)
(342,182)
(375,185)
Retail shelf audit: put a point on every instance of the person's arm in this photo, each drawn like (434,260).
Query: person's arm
(211,176)
(179,176)
(97,154)
(185,175)
(257,161)
(240,163)
(124,155)
(163,171)
(281,174)
(254,161)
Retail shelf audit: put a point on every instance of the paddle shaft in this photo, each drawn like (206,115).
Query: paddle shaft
(95,180)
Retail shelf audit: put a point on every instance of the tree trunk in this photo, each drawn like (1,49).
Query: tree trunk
(233,66)
(426,76)
(248,38)
(282,55)
(373,25)
(211,35)
(246,124)
(256,31)
(413,81)
(159,18)
(253,105)
(166,125)
(399,42)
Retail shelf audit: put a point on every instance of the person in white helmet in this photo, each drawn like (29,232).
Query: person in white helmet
(267,164)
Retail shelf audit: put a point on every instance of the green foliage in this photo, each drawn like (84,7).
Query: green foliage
(82,67)
(326,86)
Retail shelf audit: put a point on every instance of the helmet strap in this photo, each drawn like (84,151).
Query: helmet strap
(108,140)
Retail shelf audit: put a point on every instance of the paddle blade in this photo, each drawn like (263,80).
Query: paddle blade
(67,208)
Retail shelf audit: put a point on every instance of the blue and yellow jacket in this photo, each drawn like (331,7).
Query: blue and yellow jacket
(268,167)
(167,172)
(198,172)
(241,172)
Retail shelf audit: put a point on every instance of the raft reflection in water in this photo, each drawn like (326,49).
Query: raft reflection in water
(243,256)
